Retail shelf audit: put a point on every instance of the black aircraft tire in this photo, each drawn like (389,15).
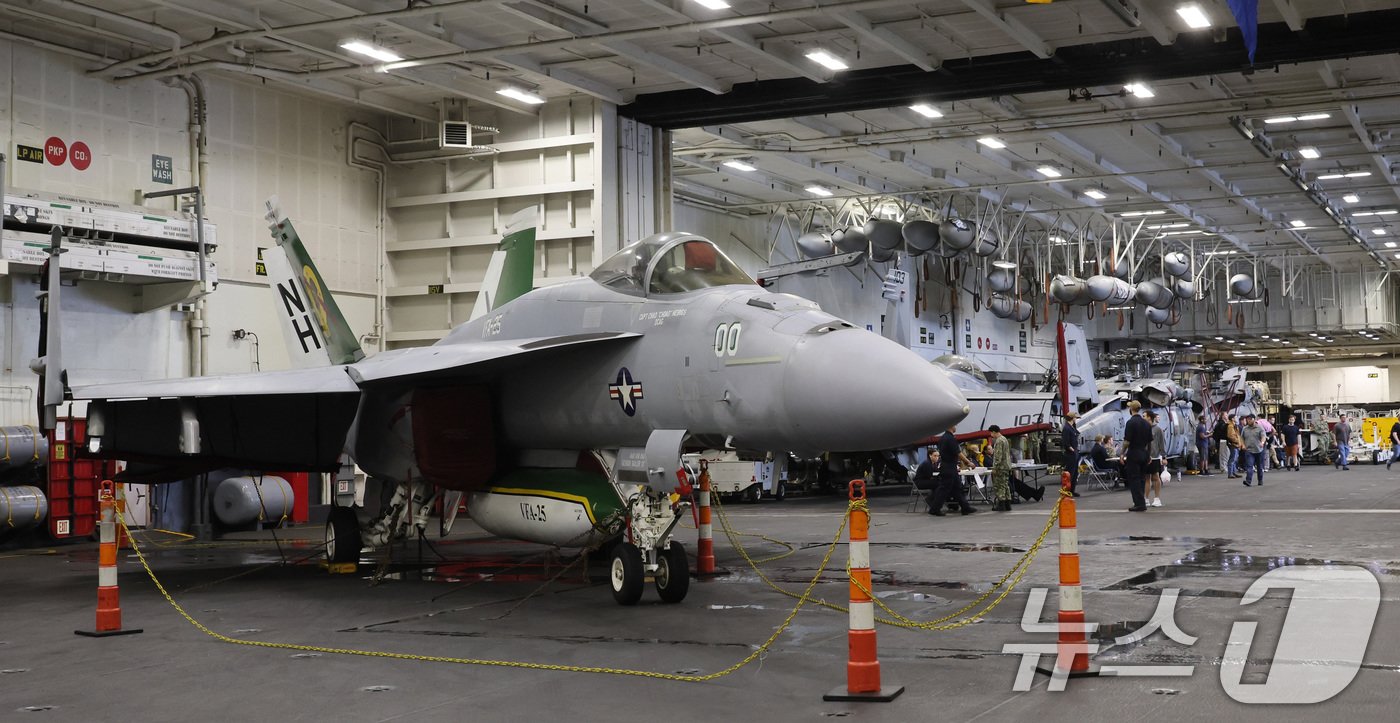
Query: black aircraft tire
(343,543)
(672,573)
(753,493)
(626,574)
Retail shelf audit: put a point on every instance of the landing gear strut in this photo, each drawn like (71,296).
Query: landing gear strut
(651,551)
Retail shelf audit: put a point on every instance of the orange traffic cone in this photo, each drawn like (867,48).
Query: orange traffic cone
(705,545)
(1073,654)
(109,609)
(863,665)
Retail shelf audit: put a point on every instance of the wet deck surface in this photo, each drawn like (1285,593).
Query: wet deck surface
(472,596)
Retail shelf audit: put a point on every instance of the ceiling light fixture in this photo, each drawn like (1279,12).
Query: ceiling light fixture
(926,110)
(1058,240)
(1194,16)
(1314,116)
(1181,224)
(818,191)
(1359,174)
(1096,194)
(1004,264)
(991,142)
(1049,172)
(712,4)
(1231,252)
(1280,119)
(1351,198)
(1310,152)
(1382,212)
(1139,89)
(827,60)
(520,94)
(740,166)
(1131,214)
(1377,232)
(360,47)
(1296,223)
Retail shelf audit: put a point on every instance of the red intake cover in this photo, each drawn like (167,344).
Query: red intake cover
(454,440)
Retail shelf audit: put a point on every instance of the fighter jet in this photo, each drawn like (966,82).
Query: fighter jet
(561,413)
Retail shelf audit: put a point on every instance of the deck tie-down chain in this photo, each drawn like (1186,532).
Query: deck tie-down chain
(1014,575)
(758,652)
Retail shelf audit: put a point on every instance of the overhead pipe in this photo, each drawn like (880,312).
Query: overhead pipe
(119,19)
(381,246)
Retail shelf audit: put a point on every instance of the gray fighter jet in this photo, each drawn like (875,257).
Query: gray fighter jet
(561,414)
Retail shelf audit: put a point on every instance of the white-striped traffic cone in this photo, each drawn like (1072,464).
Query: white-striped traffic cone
(863,664)
(1073,655)
(109,609)
(705,545)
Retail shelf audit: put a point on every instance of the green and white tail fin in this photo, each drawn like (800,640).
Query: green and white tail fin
(511,271)
(317,333)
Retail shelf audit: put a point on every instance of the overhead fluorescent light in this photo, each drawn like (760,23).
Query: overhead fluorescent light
(1004,264)
(1172,340)
(1130,214)
(712,4)
(1245,301)
(1296,223)
(827,60)
(926,110)
(1058,240)
(1310,152)
(1049,171)
(1140,90)
(1188,232)
(1180,224)
(1331,176)
(360,47)
(818,191)
(1377,232)
(1351,198)
(991,142)
(1096,194)
(1280,119)
(520,94)
(1314,116)
(1390,244)
(1358,174)
(1231,252)
(1194,16)
(740,166)
(1382,212)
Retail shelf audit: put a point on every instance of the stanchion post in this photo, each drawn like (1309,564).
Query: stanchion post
(705,545)
(863,663)
(109,609)
(1072,658)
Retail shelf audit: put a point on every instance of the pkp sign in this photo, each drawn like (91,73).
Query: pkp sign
(55,150)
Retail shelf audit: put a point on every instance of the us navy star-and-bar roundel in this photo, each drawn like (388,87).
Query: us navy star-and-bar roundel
(626,391)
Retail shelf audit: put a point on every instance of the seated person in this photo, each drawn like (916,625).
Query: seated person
(926,476)
(1099,454)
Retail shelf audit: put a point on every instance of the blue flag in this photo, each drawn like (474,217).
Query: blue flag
(1247,15)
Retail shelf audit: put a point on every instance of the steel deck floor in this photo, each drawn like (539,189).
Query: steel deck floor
(470,596)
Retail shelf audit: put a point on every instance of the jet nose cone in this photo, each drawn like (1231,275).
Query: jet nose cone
(850,391)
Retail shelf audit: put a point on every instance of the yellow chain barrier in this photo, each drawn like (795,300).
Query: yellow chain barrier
(1018,570)
(802,601)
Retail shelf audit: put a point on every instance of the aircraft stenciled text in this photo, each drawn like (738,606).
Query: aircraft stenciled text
(533,512)
(727,339)
(492,326)
(660,317)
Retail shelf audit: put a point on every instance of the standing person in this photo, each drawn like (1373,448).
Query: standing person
(1203,447)
(1268,428)
(1252,434)
(1069,442)
(1232,435)
(1394,444)
(1137,438)
(1342,433)
(1156,461)
(1001,470)
(949,480)
(1221,436)
(1291,433)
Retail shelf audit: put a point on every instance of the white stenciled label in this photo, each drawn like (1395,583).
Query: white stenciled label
(727,339)
(63,527)
(492,326)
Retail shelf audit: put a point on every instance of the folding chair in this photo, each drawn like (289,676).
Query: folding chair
(1104,478)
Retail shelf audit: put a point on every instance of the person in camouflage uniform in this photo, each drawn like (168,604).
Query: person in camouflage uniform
(1001,470)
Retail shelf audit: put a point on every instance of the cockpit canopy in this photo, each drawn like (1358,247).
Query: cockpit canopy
(956,363)
(668,263)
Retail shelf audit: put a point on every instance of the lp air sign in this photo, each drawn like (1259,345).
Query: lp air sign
(56,153)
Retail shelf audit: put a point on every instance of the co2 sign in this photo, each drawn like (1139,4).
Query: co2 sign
(727,339)
(56,152)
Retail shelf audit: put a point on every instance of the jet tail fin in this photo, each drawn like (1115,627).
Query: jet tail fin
(1077,367)
(317,333)
(511,271)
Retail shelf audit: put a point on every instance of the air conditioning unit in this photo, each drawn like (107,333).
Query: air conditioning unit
(455,134)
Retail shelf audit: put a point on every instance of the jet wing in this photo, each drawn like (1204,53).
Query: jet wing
(287,420)
(467,359)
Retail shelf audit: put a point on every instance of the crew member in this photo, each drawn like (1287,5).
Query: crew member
(1069,442)
(949,480)
(1099,454)
(1342,433)
(1291,433)
(1137,438)
(1001,470)
(1203,447)
(1252,434)
(926,474)
(1156,461)
(1394,444)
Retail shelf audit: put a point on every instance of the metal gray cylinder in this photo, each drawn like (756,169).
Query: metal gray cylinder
(1001,280)
(1170,316)
(1122,269)
(1154,294)
(1109,289)
(22,508)
(883,233)
(239,500)
(957,233)
(987,243)
(920,235)
(1007,308)
(850,240)
(1245,287)
(814,245)
(1177,263)
(20,446)
(1184,288)
(1069,289)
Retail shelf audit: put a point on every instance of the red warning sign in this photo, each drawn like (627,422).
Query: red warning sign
(979,342)
(55,150)
(80,156)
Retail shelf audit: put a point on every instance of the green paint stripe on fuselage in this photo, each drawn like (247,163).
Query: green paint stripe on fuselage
(565,484)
